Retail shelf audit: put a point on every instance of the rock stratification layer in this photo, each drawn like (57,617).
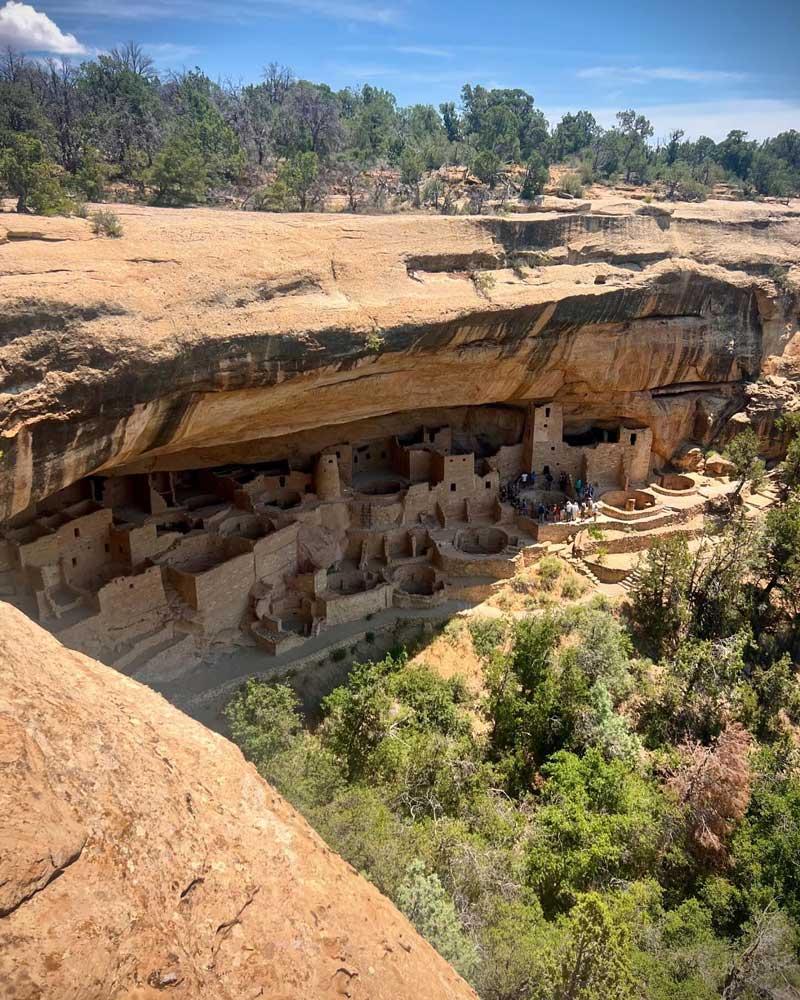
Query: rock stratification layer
(140,856)
(204,337)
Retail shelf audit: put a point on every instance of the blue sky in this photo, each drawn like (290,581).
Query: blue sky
(704,65)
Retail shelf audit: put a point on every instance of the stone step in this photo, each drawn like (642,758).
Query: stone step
(144,644)
(165,661)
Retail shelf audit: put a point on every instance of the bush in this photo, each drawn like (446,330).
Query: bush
(430,909)
(571,183)
(487,634)
(179,173)
(106,224)
(550,569)
(484,282)
(33,179)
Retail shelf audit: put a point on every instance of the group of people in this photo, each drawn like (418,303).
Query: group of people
(580,503)
(569,511)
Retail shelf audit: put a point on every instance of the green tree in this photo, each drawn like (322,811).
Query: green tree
(411,170)
(264,720)
(536,176)
(300,176)
(592,959)
(426,903)
(573,134)
(31,177)
(92,174)
(660,610)
(743,451)
(486,166)
(179,173)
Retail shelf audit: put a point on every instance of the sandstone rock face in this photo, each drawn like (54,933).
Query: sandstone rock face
(140,857)
(202,337)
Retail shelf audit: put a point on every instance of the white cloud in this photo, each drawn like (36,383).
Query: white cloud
(759,117)
(645,74)
(25,29)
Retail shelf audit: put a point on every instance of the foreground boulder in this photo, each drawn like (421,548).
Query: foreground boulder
(141,857)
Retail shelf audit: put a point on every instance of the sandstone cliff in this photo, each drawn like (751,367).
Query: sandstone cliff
(202,337)
(140,856)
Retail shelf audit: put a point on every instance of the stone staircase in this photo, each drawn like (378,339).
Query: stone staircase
(632,579)
(583,568)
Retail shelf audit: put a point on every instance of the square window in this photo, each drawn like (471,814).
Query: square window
(338,454)
(355,459)
(452,487)
(633,439)
(488,485)
(547,411)
(282,481)
(107,547)
(74,561)
(77,532)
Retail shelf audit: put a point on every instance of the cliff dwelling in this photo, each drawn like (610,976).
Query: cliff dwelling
(153,568)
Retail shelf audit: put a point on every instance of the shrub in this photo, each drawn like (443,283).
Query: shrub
(106,224)
(550,569)
(179,173)
(484,282)
(571,183)
(338,654)
(487,634)
(572,587)
(780,275)
(426,903)
(32,178)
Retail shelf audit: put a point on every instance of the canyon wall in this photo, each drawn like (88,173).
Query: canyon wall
(202,337)
(141,857)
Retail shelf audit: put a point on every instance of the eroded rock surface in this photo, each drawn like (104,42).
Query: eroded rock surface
(202,337)
(139,853)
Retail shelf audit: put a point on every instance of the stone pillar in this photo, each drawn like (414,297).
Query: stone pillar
(327,484)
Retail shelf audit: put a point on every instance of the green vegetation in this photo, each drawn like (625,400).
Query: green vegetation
(106,224)
(618,813)
(112,128)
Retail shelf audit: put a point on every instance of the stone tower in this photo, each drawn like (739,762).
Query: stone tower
(327,484)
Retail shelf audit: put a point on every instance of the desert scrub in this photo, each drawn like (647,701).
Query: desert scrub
(600,554)
(596,533)
(375,341)
(550,569)
(571,183)
(453,631)
(780,275)
(573,587)
(539,258)
(106,224)
(487,634)
(338,654)
(484,282)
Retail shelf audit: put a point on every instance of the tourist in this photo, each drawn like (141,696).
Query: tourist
(533,479)
(579,487)
(541,513)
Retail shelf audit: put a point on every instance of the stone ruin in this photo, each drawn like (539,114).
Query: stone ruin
(148,571)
